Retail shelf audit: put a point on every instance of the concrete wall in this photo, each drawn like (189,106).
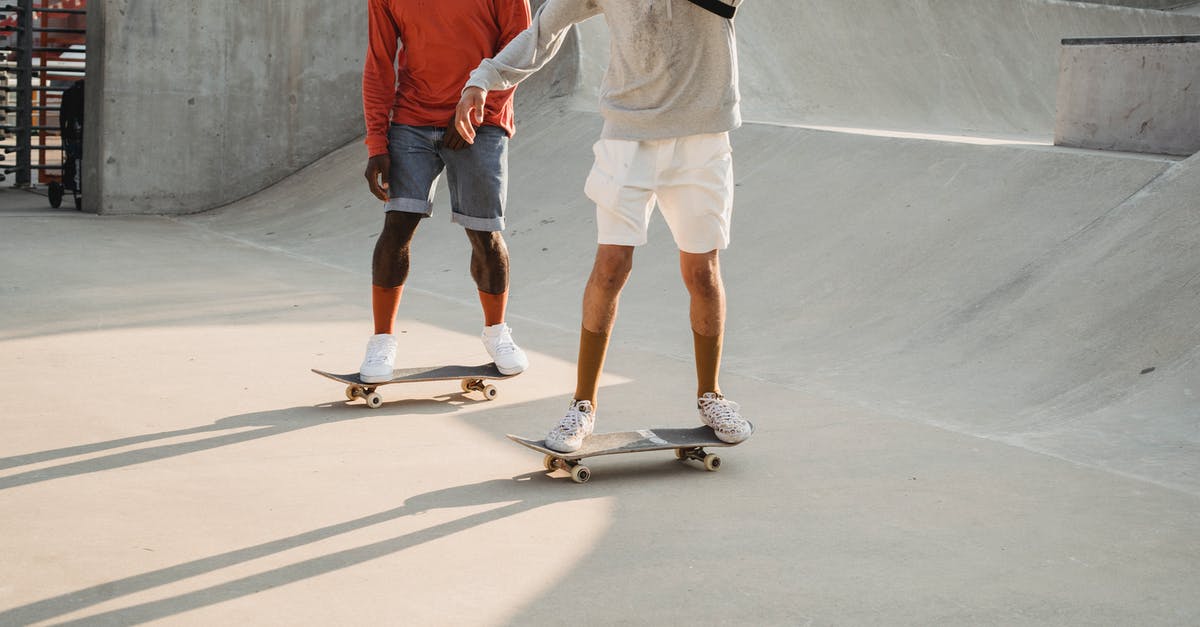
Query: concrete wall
(1140,95)
(193,105)
(962,66)
(191,108)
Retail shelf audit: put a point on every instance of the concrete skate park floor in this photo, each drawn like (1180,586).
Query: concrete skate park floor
(168,457)
(971,364)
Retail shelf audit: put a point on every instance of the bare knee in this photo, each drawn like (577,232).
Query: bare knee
(701,273)
(488,244)
(612,267)
(390,261)
(489,261)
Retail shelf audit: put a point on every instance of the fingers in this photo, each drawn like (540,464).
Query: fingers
(477,113)
(377,190)
(452,139)
(462,127)
(469,113)
(457,122)
(378,171)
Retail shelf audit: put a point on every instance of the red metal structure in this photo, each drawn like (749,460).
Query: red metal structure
(44,46)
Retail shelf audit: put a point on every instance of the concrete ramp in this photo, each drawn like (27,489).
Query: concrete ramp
(1039,296)
(1029,294)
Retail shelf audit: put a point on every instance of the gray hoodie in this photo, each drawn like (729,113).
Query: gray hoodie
(672,65)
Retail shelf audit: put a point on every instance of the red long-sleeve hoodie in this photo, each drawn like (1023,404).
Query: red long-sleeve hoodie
(420,55)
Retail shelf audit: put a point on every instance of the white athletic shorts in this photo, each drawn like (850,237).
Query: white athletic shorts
(691,178)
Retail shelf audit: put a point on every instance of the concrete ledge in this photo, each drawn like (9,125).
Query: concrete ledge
(1157,5)
(1143,41)
(1136,94)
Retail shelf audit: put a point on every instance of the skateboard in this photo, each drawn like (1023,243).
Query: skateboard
(470,378)
(688,444)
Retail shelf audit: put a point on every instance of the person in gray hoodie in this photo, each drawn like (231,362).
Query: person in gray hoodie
(669,99)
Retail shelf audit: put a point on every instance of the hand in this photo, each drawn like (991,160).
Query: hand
(379,172)
(453,139)
(469,113)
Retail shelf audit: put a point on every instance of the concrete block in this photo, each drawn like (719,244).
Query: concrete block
(1131,94)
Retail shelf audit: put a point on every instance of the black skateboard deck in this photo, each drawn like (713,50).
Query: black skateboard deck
(687,443)
(470,377)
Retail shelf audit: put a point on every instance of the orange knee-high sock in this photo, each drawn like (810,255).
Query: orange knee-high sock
(385,301)
(708,362)
(592,349)
(494,307)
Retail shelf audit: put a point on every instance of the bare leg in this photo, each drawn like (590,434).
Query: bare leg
(489,268)
(489,261)
(610,271)
(702,276)
(389,268)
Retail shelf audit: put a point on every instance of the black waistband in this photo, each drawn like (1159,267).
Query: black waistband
(716,6)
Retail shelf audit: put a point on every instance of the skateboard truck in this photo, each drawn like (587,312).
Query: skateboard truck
(478,385)
(711,461)
(579,473)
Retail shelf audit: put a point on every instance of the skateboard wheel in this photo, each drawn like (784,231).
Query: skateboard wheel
(351,392)
(491,392)
(550,462)
(374,400)
(465,384)
(580,474)
(712,462)
(681,453)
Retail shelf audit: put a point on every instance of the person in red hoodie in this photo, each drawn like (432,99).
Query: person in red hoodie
(419,55)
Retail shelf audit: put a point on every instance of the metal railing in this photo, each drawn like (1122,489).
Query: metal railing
(44,48)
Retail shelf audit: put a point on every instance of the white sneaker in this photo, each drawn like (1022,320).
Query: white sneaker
(509,357)
(722,415)
(380,361)
(567,436)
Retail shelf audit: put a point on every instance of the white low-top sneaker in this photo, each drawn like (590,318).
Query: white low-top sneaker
(380,360)
(722,415)
(509,357)
(567,436)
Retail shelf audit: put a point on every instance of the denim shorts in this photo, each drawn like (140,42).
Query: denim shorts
(477,175)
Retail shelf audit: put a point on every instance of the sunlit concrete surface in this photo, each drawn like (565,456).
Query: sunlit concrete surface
(971,359)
